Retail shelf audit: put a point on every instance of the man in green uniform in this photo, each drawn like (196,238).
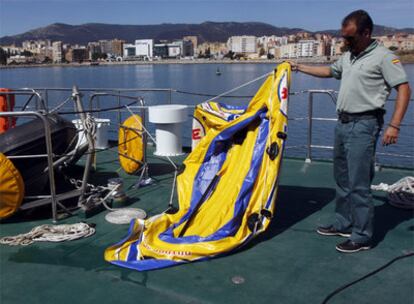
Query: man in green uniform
(367,72)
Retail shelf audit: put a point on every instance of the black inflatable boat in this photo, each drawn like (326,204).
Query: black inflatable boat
(29,139)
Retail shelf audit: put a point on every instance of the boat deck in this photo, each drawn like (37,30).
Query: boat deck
(289,263)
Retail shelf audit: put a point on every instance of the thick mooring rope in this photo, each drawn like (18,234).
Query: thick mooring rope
(400,194)
(50,233)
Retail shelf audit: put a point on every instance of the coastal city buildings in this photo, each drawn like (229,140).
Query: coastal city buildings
(301,45)
(215,49)
(397,42)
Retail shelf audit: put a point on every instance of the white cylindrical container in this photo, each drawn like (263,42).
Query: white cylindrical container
(168,120)
(101,135)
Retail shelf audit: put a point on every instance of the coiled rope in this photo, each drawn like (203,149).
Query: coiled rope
(400,194)
(50,233)
(121,216)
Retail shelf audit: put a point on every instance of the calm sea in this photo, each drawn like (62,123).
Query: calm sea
(202,78)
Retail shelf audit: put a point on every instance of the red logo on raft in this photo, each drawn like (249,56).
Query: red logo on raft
(196,134)
(284,93)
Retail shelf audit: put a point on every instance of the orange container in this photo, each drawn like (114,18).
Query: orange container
(6,105)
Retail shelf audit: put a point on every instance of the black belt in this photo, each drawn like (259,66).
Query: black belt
(346,117)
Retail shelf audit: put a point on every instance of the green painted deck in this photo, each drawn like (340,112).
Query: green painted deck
(289,263)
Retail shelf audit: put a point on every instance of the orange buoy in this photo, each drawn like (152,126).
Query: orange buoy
(6,105)
(131,144)
(11,187)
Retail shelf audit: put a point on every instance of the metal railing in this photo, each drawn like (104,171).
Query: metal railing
(43,101)
(310,146)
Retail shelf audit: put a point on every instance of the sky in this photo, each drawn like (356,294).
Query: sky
(19,16)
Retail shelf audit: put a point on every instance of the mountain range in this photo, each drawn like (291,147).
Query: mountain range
(206,31)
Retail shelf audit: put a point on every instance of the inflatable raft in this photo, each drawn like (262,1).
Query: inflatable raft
(227,191)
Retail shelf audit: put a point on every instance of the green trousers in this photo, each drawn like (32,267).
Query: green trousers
(354,160)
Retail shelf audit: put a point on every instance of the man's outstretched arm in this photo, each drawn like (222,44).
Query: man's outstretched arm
(317,71)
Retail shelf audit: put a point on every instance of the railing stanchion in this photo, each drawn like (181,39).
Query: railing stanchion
(310,125)
(119,108)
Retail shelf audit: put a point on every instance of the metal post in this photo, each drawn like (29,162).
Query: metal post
(119,108)
(49,151)
(91,145)
(98,107)
(310,121)
(9,109)
(46,98)
(144,134)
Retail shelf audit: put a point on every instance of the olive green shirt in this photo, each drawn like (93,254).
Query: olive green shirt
(367,79)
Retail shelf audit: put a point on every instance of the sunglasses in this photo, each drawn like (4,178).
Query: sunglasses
(349,38)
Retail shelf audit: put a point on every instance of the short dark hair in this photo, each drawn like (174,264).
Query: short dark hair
(362,20)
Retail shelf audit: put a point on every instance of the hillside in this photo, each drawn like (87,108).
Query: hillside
(207,31)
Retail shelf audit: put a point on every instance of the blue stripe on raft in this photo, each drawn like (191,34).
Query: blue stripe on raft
(129,233)
(133,249)
(143,265)
(232,226)
(212,163)
(232,107)
(152,264)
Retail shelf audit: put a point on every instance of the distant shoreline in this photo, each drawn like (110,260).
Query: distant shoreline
(196,61)
(172,61)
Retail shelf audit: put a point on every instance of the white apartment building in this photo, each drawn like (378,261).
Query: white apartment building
(144,47)
(272,40)
(289,50)
(57,51)
(242,44)
(174,50)
(141,48)
(35,46)
(306,48)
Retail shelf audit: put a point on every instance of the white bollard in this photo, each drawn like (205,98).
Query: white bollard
(168,121)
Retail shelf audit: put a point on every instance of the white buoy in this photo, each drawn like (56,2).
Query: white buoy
(168,120)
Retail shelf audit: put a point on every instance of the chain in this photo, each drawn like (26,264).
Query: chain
(92,190)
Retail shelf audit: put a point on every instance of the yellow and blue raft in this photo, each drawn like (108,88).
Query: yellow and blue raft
(228,189)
